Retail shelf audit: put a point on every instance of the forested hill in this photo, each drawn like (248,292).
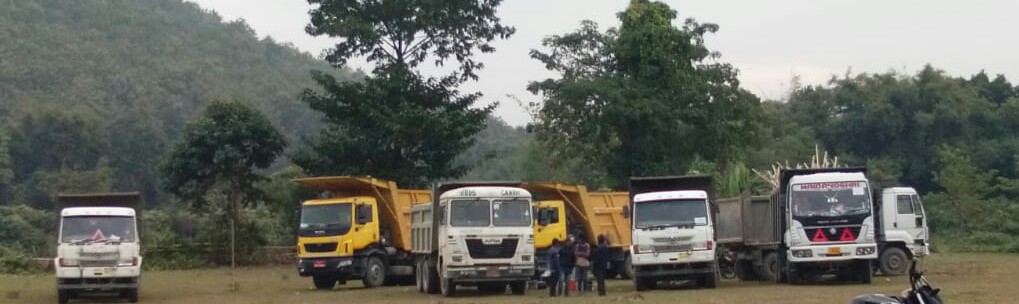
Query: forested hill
(92,92)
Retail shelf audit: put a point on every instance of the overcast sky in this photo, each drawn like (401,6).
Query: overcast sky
(768,41)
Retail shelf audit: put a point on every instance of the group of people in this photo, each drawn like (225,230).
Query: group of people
(575,257)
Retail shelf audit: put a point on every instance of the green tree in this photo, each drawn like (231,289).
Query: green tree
(6,167)
(221,149)
(643,99)
(396,123)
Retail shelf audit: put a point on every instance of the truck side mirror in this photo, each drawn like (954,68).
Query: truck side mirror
(364,214)
(626,211)
(297,215)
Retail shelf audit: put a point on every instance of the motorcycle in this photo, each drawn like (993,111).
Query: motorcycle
(727,264)
(920,292)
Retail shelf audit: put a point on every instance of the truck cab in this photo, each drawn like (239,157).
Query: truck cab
(98,245)
(549,225)
(673,231)
(904,230)
(830,226)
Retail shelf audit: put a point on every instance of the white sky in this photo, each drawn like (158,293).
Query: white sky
(768,41)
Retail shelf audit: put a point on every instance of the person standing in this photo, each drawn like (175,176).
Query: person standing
(582,252)
(600,262)
(553,268)
(566,262)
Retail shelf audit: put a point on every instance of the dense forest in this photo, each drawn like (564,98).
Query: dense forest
(94,95)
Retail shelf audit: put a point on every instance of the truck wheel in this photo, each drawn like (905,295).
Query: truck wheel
(864,272)
(324,282)
(770,270)
(431,277)
(518,288)
(641,284)
(132,295)
(447,286)
(419,272)
(893,261)
(709,280)
(63,296)
(374,272)
(626,270)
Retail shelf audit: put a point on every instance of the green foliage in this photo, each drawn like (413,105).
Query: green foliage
(397,124)
(82,81)
(6,167)
(222,148)
(26,233)
(643,99)
(407,32)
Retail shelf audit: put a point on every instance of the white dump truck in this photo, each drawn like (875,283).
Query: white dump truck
(474,234)
(98,245)
(673,231)
(903,233)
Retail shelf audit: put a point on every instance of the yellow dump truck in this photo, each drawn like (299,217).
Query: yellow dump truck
(563,209)
(358,228)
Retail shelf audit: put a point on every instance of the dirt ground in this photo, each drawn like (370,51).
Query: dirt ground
(964,278)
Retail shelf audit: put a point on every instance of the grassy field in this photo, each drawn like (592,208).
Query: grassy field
(965,278)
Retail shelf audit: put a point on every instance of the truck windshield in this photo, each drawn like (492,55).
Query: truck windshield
(97,229)
(333,216)
(830,199)
(511,213)
(470,213)
(670,213)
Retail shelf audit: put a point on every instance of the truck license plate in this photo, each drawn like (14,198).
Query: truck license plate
(492,272)
(834,251)
(319,264)
(684,254)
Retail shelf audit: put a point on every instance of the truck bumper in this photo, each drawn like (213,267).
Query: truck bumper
(97,284)
(490,273)
(832,253)
(673,265)
(337,266)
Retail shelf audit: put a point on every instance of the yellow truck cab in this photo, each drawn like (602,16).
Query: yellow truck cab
(563,209)
(357,229)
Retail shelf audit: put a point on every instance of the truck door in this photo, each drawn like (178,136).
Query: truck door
(905,217)
(920,219)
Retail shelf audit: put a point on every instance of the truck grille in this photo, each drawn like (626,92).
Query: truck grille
(323,247)
(479,250)
(672,248)
(97,263)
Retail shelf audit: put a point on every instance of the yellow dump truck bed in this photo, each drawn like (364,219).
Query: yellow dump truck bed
(394,203)
(599,212)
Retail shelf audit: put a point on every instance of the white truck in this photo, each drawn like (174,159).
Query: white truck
(98,245)
(818,222)
(903,233)
(672,231)
(474,234)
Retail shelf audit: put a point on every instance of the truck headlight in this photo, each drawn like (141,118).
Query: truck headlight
(67,262)
(864,250)
(130,262)
(803,253)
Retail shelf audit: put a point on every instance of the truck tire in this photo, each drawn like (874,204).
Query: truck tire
(419,277)
(518,288)
(893,261)
(770,271)
(447,286)
(431,277)
(641,284)
(863,270)
(132,295)
(63,296)
(626,269)
(709,280)
(324,282)
(374,272)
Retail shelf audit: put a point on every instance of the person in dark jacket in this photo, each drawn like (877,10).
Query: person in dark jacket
(600,262)
(567,260)
(553,269)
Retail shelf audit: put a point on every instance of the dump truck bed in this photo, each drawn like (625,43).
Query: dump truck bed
(746,220)
(394,203)
(600,212)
